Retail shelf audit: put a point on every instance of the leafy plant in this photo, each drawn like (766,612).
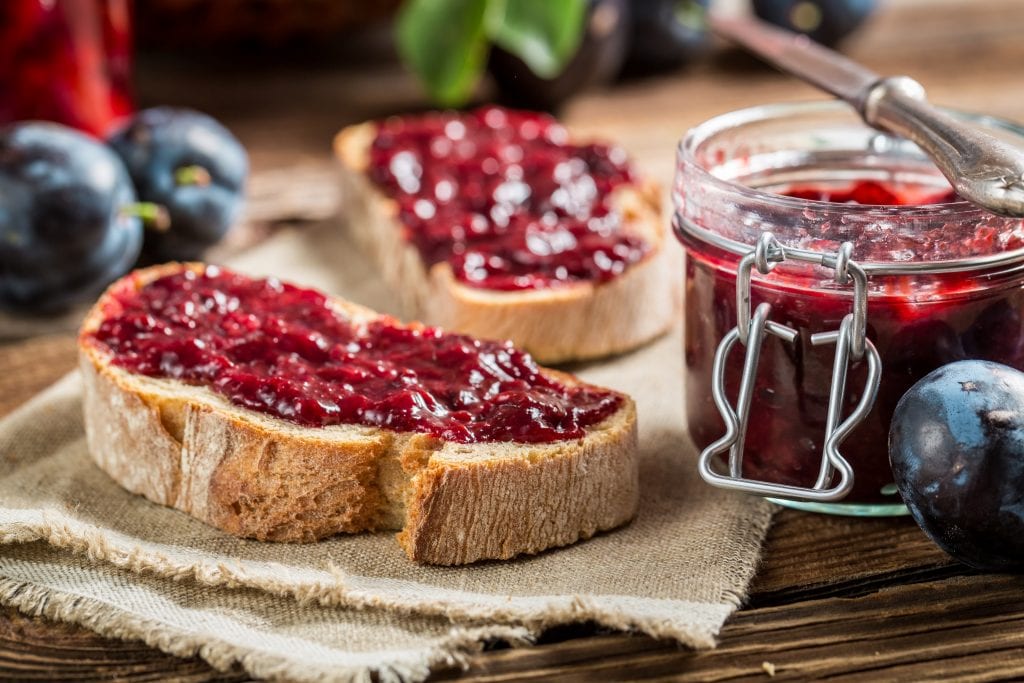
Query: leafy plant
(446,42)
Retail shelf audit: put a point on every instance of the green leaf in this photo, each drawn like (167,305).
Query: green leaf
(444,42)
(543,33)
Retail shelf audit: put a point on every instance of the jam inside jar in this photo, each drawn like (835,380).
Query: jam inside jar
(945,282)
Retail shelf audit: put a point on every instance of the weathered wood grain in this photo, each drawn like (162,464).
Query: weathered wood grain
(814,556)
(39,650)
(964,629)
(27,367)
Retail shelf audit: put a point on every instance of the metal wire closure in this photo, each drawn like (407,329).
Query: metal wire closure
(850,340)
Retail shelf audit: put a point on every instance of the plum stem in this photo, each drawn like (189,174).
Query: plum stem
(153,216)
(192,175)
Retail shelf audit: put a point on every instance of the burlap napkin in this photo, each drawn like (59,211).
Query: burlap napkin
(354,604)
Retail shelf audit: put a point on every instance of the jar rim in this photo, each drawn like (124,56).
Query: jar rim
(959,210)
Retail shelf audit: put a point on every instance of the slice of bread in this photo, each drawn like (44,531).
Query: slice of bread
(257,476)
(576,321)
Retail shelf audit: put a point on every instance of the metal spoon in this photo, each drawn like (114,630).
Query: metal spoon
(982,169)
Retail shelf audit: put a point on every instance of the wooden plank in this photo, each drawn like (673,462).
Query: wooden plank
(839,554)
(965,629)
(27,367)
(33,649)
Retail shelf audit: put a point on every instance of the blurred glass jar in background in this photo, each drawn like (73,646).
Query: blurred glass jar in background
(67,61)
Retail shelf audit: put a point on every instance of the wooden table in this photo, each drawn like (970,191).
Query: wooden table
(836,598)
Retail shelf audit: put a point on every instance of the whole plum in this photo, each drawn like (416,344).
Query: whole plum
(826,21)
(956,447)
(666,34)
(193,167)
(598,59)
(66,225)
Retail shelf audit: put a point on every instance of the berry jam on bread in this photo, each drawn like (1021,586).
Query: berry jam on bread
(498,223)
(275,412)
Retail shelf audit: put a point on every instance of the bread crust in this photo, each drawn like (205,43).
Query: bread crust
(571,322)
(256,476)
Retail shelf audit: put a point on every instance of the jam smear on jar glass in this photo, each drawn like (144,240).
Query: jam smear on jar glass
(285,351)
(505,198)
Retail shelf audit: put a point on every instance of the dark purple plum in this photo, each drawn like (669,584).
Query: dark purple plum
(66,230)
(826,21)
(665,34)
(598,60)
(191,165)
(956,447)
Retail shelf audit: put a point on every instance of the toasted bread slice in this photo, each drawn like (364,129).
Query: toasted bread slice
(575,321)
(258,476)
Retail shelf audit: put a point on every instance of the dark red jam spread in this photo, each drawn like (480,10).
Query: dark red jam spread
(888,241)
(870,192)
(505,198)
(917,323)
(283,350)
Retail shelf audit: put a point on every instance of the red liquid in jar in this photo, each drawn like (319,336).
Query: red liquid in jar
(917,325)
(282,350)
(67,61)
(505,198)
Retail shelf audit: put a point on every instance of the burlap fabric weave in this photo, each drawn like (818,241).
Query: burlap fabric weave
(81,549)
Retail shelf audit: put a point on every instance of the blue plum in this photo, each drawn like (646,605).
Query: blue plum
(191,165)
(64,229)
(665,34)
(598,60)
(826,21)
(956,447)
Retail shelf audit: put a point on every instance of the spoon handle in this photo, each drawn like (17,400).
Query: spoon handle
(981,168)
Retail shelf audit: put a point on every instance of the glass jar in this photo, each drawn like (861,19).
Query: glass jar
(67,61)
(941,282)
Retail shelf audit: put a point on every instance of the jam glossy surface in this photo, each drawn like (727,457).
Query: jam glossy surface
(889,242)
(505,198)
(870,192)
(283,350)
(917,325)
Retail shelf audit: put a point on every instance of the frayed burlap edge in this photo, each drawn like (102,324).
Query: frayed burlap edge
(452,650)
(60,531)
